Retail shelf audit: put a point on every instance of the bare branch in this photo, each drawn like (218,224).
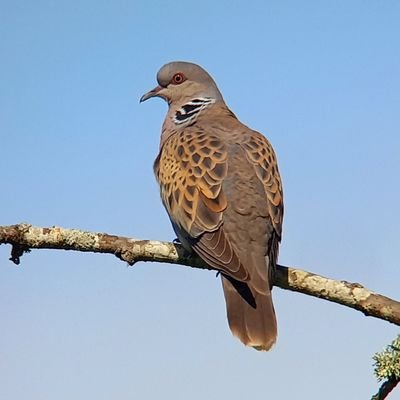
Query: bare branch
(385,389)
(24,237)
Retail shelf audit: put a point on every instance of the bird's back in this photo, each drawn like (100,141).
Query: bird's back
(245,220)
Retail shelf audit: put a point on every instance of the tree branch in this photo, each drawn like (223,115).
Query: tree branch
(385,389)
(24,237)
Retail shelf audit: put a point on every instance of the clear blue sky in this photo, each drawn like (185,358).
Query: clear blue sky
(320,79)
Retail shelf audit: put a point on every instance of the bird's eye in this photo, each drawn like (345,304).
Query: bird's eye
(178,78)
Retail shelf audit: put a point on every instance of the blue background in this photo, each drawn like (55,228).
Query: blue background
(320,79)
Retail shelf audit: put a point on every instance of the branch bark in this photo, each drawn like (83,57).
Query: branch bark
(24,237)
(385,389)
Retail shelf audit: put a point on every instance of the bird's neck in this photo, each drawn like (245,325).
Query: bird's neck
(193,111)
(186,112)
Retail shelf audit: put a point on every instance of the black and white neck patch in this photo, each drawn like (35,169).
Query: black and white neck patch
(190,110)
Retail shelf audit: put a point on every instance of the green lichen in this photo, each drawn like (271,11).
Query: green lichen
(387,362)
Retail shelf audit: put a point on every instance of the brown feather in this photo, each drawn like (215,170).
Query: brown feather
(216,250)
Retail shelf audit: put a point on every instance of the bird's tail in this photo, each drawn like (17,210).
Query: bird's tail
(251,314)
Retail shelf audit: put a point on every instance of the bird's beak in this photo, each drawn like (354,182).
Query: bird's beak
(153,93)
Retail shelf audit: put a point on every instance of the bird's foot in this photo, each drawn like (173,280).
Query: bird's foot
(182,250)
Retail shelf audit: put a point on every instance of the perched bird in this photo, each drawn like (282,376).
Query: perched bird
(220,184)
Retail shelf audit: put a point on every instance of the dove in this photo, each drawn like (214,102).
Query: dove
(220,185)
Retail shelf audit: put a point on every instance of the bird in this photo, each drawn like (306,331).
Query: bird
(220,185)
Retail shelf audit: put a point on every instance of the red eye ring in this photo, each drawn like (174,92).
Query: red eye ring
(178,78)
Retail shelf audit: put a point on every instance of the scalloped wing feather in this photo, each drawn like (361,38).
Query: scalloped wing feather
(190,169)
(261,154)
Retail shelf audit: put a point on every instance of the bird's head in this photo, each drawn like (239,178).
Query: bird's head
(180,81)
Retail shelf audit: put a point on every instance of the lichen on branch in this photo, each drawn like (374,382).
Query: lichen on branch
(25,237)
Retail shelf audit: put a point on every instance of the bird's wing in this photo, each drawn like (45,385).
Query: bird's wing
(190,169)
(261,154)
